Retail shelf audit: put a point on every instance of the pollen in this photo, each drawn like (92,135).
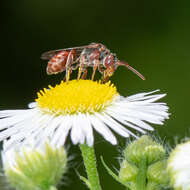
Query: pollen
(77,96)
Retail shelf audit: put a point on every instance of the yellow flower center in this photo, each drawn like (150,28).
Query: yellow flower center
(76,96)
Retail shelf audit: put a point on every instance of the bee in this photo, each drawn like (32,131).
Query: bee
(95,55)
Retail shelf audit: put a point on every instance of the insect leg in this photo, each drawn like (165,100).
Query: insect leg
(102,70)
(79,73)
(81,66)
(105,77)
(65,78)
(84,73)
(96,63)
(68,64)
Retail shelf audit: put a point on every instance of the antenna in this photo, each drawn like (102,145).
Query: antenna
(119,63)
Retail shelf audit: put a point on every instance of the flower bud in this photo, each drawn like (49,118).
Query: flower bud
(32,168)
(153,186)
(128,172)
(146,148)
(144,165)
(157,173)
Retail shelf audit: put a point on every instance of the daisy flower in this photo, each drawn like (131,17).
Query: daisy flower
(179,167)
(79,107)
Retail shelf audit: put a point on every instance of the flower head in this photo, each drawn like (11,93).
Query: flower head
(81,106)
(179,167)
(31,168)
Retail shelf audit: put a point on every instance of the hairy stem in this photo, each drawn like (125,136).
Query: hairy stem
(90,165)
(141,176)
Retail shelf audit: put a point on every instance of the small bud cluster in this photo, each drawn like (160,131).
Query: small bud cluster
(144,165)
(29,168)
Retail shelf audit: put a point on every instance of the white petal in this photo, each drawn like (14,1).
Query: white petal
(8,113)
(11,121)
(7,133)
(87,129)
(38,136)
(26,130)
(148,99)
(32,105)
(125,122)
(113,124)
(122,118)
(76,132)
(149,117)
(62,132)
(47,131)
(23,126)
(51,126)
(102,129)
(139,95)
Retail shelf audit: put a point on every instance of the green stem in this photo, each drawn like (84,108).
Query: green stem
(90,165)
(141,176)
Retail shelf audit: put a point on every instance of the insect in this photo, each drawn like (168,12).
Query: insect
(94,55)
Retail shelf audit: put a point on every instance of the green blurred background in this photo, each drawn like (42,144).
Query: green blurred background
(153,36)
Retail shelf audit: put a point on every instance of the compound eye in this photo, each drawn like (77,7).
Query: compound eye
(109,61)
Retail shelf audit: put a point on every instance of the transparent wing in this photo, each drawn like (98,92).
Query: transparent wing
(49,54)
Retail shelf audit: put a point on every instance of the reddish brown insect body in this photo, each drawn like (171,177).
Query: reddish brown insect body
(94,55)
(57,63)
